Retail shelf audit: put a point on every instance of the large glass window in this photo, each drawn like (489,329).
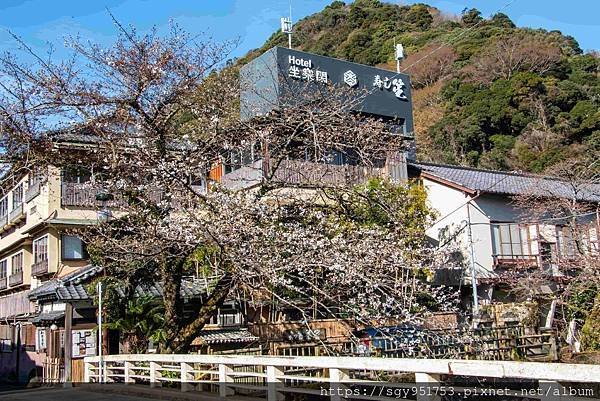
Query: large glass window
(509,239)
(17,263)
(3,265)
(40,249)
(73,248)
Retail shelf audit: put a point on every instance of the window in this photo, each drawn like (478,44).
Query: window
(17,263)
(3,264)
(509,239)
(73,248)
(40,249)
(17,196)
(4,206)
(76,174)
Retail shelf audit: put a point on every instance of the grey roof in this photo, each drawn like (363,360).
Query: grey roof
(72,287)
(222,336)
(509,183)
(48,317)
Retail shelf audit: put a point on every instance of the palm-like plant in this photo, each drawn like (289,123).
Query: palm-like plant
(142,320)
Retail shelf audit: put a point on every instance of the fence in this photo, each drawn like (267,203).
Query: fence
(324,376)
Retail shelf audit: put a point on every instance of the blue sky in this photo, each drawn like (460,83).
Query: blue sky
(40,22)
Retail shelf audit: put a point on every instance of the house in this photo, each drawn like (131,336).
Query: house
(477,210)
(37,212)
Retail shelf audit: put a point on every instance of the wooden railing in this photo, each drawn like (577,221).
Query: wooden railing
(299,172)
(83,195)
(39,268)
(306,173)
(15,279)
(334,377)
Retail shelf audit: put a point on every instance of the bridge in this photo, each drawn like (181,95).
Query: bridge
(337,378)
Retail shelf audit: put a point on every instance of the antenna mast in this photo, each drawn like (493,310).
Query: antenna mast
(286,26)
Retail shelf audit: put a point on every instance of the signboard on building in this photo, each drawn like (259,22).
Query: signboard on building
(269,80)
(84,343)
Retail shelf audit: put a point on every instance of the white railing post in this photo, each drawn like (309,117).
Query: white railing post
(155,375)
(427,387)
(336,386)
(127,372)
(187,374)
(224,378)
(87,371)
(273,382)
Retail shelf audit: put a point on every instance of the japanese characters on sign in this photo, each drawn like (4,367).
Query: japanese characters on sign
(395,85)
(303,69)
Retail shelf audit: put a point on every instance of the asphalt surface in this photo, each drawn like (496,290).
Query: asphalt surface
(58,394)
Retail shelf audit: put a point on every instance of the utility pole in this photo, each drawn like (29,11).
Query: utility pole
(100,372)
(473,273)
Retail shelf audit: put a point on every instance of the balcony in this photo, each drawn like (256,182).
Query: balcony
(3,221)
(40,268)
(17,214)
(33,190)
(15,279)
(3,284)
(306,173)
(516,261)
(83,195)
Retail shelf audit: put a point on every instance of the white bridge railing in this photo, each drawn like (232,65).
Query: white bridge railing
(343,377)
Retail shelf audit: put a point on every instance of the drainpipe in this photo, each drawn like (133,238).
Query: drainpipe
(473,273)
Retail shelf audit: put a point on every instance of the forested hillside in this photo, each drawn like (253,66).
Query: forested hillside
(486,93)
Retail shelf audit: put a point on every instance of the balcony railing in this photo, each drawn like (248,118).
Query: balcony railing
(15,279)
(33,190)
(3,284)
(518,261)
(40,268)
(17,213)
(85,195)
(306,173)
(3,221)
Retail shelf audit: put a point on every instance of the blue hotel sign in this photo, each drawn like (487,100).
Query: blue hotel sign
(266,80)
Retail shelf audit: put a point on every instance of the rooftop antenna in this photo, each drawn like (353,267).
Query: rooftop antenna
(286,26)
(399,54)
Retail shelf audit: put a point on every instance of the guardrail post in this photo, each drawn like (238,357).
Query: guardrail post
(336,386)
(87,371)
(273,382)
(155,375)
(127,372)
(428,386)
(224,378)
(187,374)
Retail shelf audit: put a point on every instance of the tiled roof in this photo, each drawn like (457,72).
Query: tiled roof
(72,287)
(509,183)
(48,317)
(222,336)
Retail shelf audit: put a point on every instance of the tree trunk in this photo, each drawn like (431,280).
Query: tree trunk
(182,341)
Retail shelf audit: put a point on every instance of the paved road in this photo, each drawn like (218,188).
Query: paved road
(65,394)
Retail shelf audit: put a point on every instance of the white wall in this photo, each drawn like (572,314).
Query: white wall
(451,205)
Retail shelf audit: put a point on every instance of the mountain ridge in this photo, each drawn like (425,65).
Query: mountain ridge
(486,93)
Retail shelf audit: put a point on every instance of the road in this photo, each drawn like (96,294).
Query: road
(66,394)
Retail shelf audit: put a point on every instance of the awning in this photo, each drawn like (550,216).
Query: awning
(48,318)
(224,336)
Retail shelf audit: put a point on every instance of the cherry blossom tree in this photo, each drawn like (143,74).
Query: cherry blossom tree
(159,116)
